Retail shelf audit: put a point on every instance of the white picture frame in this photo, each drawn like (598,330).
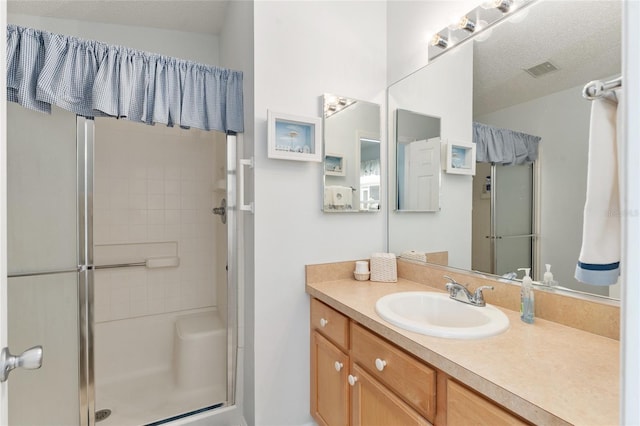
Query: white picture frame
(292,137)
(335,165)
(461,158)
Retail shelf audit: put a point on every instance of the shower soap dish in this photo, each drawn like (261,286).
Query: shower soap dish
(383,267)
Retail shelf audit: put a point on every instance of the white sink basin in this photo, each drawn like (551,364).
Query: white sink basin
(435,314)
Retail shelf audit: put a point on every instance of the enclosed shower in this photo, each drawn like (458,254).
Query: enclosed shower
(123,266)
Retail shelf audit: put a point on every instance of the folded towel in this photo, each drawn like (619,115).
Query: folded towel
(338,197)
(599,261)
(414,255)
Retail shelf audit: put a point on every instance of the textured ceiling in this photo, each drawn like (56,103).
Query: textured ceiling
(197,16)
(581,38)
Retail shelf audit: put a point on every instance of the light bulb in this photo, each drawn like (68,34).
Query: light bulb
(439,41)
(467,24)
(503,5)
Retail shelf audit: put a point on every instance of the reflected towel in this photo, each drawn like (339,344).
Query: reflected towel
(338,197)
(599,261)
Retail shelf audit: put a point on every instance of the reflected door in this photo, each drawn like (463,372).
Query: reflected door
(512,217)
(422,171)
(42,264)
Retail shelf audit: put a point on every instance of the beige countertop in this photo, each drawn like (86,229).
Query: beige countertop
(547,373)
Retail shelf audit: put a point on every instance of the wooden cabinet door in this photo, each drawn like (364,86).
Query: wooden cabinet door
(372,404)
(329,386)
(466,408)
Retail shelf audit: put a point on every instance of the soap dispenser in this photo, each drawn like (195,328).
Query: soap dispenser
(526,297)
(547,279)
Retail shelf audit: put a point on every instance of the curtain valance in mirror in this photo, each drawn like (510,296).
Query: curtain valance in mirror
(91,79)
(504,146)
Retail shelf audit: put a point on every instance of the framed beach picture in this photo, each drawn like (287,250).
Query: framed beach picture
(334,165)
(294,138)
(461,158)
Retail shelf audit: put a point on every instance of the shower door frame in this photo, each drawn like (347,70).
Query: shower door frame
(85,147)
(85,143)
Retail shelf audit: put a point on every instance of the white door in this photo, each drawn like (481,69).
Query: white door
(423,171)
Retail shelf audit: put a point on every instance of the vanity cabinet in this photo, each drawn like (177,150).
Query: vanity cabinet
(359,378)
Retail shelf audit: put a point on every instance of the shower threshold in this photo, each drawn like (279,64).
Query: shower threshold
(153,399)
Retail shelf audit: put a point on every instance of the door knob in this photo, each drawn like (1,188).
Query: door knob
(30,359)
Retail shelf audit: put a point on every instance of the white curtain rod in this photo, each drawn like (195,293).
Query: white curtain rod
(595,89)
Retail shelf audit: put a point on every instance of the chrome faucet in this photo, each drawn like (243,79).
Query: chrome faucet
(460,293)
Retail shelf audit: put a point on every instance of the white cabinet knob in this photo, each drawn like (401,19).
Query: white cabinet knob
(380,364)
(323,322)
(338,365)
(352,380)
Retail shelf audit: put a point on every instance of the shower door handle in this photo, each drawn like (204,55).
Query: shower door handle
(30,359)
(248,162)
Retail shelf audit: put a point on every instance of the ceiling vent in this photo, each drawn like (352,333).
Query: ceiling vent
(541,69)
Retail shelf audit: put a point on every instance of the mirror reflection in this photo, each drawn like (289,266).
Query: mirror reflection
(351,155)
(417,161)
(511,216)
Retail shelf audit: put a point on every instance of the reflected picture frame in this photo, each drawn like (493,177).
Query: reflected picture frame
(291,137)
(460,158)
(334,165)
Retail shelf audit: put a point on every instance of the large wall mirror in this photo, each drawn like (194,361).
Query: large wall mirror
(527,75)
(352,172)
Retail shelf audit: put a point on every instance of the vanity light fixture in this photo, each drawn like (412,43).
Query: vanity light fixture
(476,23)
(439,41)
(334,105)
(467,24)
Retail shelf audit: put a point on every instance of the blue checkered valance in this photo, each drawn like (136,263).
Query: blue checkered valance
(94,79)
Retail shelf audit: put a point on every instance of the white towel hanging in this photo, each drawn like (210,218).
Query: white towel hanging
(599,261)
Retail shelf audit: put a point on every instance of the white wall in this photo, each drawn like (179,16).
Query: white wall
(302,50)
(442,89)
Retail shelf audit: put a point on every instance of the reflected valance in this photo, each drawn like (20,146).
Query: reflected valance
(504,146)
(92,79)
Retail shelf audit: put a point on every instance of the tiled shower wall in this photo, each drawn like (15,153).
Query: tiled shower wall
(158,184)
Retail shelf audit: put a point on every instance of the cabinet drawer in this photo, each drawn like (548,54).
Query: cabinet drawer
(331,323)
(465,407)
(404,374)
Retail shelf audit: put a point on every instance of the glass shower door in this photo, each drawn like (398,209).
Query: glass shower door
(512,217)
(42,288)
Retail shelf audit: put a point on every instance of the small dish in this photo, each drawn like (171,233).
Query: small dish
(361,276)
